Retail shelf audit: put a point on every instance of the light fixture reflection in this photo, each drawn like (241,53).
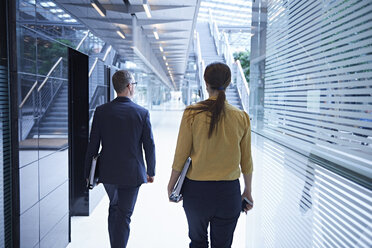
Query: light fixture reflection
(147,8)
(98,7)
(120,34)
(156,33)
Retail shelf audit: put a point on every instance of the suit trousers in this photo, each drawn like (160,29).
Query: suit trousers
(214,203)
(122,202)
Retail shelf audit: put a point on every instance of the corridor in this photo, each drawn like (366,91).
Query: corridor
(156,223)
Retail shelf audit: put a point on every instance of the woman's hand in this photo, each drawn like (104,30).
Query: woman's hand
(172,181)
(169,190)
(248,195)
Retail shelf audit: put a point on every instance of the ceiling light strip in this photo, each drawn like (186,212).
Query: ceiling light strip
(120,34)
(98,7)
(156,33)
(147,8)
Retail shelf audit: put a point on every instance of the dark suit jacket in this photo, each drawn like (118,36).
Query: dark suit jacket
(123,128)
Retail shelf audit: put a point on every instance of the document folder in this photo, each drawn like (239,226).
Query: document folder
(176,195)
(94,172)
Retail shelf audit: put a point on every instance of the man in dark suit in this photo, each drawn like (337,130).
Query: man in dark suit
(123,128)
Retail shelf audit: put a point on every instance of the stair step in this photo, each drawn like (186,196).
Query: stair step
(47,130)
(57,114)
(58,109)
(60,103)
(56,119)
(53,124)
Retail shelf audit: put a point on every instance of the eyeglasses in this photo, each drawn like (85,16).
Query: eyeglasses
(135,83)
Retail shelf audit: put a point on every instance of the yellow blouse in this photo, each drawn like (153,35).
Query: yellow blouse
(217,158)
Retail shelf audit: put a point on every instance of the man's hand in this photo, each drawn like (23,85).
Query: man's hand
(150,179)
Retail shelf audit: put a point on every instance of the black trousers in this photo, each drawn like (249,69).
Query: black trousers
(122,202)
(214,203)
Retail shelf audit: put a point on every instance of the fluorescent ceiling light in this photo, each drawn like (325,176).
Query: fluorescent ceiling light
(120,34)
(161,49)
(156,34)
(146,7)
(56,10)
(64,16)
(98,7)
(70,20)
(166,63)
(164,58)
(44,4)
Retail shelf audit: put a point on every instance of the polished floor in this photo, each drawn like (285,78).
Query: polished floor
(156,223)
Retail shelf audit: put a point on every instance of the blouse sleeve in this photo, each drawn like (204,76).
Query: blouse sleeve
(184,142)
(245,148)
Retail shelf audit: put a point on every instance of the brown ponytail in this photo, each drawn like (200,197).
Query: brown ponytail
(218,77)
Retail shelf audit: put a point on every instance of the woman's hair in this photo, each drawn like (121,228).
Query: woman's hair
(218,76)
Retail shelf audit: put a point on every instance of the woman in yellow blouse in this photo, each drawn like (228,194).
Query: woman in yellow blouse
(217,137)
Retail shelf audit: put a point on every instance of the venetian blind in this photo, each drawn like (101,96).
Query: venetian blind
(318,75)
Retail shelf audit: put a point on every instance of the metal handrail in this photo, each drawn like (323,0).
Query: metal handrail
(242,86)
(227,53)
(201,65)
(49,73)
(214,31)
(28,94)
(93,66)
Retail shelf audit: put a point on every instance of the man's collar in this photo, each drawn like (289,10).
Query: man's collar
(122,99)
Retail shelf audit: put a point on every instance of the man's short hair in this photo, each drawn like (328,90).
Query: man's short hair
(121,79)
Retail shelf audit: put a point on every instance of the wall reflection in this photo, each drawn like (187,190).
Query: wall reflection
(300,203)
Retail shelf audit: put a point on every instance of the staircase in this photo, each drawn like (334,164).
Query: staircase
(209,55)
(232,96)
(54,123)
(207,46)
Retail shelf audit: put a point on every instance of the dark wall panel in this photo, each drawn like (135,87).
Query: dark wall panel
(78,129)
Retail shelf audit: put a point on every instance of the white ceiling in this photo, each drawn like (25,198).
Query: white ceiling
(174,21)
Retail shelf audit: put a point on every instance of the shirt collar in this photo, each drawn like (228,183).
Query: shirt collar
(122,99)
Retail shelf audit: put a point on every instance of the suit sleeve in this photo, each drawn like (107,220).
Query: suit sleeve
(148,145)
(94,143)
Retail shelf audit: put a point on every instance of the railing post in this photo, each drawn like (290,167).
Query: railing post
(51,90)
